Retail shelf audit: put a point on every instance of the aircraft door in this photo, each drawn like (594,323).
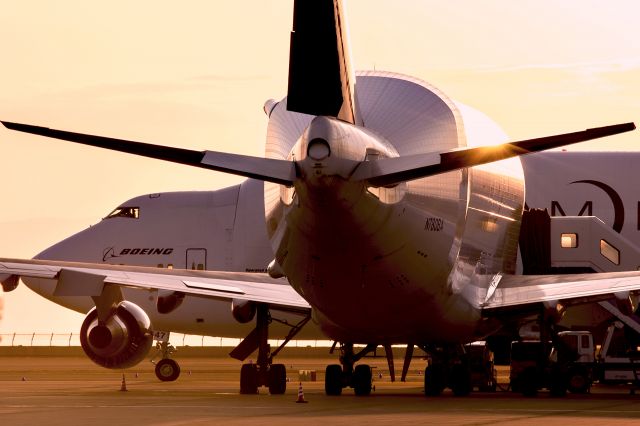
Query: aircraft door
(196,259)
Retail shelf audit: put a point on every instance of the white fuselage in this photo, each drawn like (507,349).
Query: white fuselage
(401,264)
(217,230)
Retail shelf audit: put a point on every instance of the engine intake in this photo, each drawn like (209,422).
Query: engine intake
(122,341)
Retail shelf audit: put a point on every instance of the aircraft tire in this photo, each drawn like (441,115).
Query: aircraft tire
(460,380)
(434,379)
(362,378)
(277,379)
(578,380)
(167,370)
(333,380)
(249,379)
(528,382)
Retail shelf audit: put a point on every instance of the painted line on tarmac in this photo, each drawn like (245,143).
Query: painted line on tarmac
(132,406)
(544,410)
(147,406)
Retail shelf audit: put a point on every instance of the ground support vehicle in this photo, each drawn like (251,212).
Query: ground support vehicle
(573,363)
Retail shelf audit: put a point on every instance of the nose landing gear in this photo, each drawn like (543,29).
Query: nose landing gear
(167,369)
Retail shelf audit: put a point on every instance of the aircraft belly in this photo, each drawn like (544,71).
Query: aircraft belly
(393,288)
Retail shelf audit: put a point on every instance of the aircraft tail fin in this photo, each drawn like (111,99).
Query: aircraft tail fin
(321,80)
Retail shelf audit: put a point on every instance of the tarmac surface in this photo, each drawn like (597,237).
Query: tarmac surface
(65,388)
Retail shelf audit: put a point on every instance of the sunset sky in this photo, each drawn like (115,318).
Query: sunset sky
(196,74)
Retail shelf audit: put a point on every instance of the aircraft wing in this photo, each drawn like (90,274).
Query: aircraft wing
(520,292)
(89,279)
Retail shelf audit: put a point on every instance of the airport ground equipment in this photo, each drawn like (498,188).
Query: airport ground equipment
(569,245)
(574,362)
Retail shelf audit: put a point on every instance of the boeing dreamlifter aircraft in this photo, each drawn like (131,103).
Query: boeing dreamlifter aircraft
(387,206)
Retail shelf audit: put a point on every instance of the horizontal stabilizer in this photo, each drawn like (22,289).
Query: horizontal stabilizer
(271,170)
(391,171)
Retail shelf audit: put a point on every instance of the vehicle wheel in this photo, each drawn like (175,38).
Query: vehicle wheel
(558,387)
(277,379)
(333,380)
(578,381)
(167,370)
(460,380)
(558,381)
(249,379)
(434,380)
(528,382)
(362,380)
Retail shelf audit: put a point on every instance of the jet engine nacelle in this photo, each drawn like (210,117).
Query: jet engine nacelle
(9,282)
(122,341)
(169,302)
(243,310)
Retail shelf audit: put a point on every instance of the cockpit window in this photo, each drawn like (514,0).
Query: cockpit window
(128,212)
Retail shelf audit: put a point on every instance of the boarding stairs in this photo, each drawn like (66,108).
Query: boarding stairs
(587,242)
(578,244)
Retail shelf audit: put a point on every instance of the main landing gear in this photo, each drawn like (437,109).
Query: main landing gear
(264,372)
(167,369)
(448,367)
(359,378)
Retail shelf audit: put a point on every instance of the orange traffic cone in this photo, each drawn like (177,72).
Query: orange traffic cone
(301,395)
(123,386)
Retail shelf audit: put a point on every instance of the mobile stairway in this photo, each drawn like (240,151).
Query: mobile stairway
(580,244)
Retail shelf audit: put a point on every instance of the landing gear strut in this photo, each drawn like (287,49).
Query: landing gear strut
(167,369)
(264,372)
(359,378)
